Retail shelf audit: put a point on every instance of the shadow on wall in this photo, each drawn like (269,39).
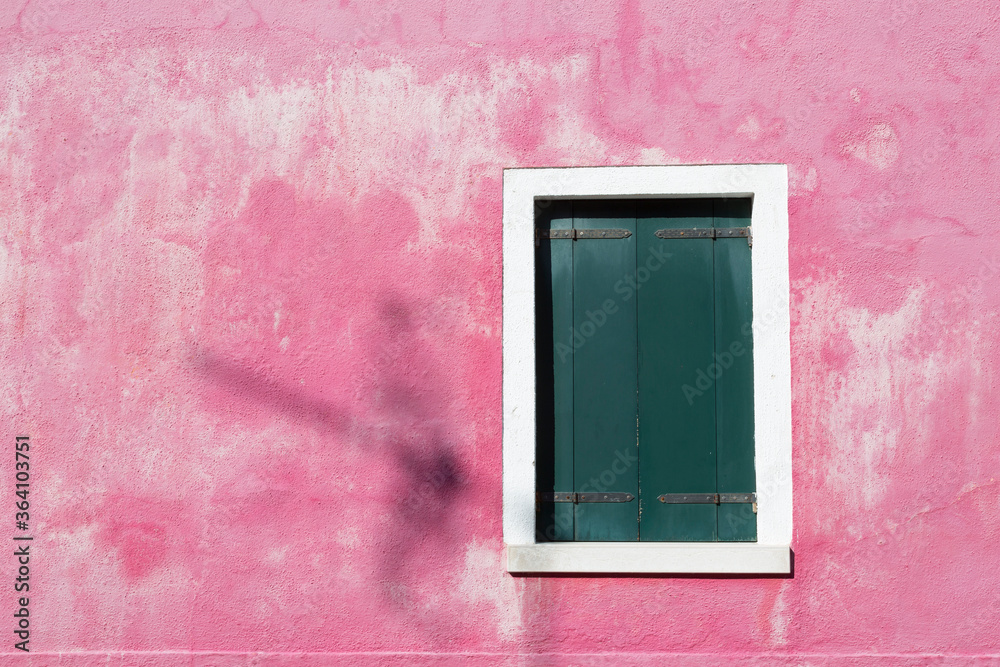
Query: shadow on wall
(255,386)
(376,400)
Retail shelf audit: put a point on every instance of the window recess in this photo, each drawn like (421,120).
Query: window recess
(644,371)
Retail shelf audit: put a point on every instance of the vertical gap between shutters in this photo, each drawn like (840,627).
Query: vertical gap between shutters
(572,369)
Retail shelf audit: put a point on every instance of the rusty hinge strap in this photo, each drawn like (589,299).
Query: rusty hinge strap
(707,498)
(704,233)
(595,497)
(584,233)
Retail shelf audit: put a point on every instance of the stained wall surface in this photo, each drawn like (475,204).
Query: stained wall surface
(250,318)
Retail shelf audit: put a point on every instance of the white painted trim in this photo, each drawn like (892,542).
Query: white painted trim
(768,185)
(648,557)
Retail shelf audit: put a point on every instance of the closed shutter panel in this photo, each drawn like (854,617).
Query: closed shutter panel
(676,338)
(604,373)
(734,367)
(644,354)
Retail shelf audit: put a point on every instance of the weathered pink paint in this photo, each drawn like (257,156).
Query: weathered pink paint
(251,321)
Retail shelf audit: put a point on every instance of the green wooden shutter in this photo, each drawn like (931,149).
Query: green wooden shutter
(604,372)
(734,367)
(645,372)
(677,450)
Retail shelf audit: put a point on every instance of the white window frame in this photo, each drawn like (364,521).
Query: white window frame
(767,184)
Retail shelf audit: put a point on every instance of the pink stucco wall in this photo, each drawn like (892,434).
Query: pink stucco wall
(250,318)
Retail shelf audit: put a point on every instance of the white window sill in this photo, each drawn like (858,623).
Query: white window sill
(649,558)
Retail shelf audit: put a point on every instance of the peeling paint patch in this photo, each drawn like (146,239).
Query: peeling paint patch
(484,582)
(750,128)
(878,146)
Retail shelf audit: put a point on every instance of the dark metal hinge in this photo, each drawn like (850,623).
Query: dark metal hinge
(707,498)
(604,497)
(705,233)
(583,233)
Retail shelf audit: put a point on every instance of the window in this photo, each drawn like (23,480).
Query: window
(646,369)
